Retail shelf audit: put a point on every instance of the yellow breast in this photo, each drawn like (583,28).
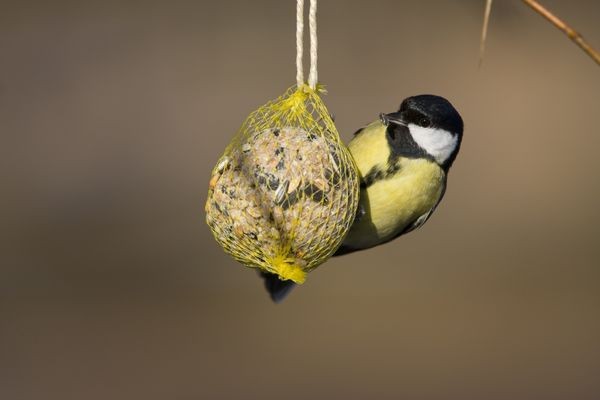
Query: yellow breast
(392,203)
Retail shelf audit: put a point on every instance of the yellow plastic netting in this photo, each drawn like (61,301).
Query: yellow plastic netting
(285,192)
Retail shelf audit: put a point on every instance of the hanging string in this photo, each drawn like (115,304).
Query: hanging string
(299,41)
(312,23)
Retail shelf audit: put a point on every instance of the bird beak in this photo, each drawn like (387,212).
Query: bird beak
(392,118)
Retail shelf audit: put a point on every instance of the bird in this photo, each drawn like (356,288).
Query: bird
(403,159)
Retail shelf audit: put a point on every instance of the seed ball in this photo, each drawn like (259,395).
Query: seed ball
(282,191)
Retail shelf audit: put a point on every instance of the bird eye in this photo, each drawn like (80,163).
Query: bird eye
(424,122)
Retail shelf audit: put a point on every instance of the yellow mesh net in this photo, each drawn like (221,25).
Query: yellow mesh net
(284,194)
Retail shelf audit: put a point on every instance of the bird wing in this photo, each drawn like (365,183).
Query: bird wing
(358,131)
(416,224)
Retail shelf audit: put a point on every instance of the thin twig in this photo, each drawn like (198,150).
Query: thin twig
(560,24)
(486,19)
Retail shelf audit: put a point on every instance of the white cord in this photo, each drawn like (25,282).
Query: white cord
(312,22)
(299,42)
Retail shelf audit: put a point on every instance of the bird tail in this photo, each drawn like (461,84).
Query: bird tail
(278,289)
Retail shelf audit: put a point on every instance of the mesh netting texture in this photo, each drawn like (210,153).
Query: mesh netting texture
(284,194)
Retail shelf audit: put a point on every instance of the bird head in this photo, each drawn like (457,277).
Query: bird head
(434,126)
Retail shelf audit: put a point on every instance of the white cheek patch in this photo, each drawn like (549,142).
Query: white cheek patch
(438,143)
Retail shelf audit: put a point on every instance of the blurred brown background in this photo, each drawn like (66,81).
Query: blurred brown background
(112,115)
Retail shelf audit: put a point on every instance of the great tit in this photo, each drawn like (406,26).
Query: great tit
(403,159)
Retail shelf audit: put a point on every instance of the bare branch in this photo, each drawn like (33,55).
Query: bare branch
(486,20)
(560,24)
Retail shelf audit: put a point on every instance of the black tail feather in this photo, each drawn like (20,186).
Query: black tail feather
(278,289)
